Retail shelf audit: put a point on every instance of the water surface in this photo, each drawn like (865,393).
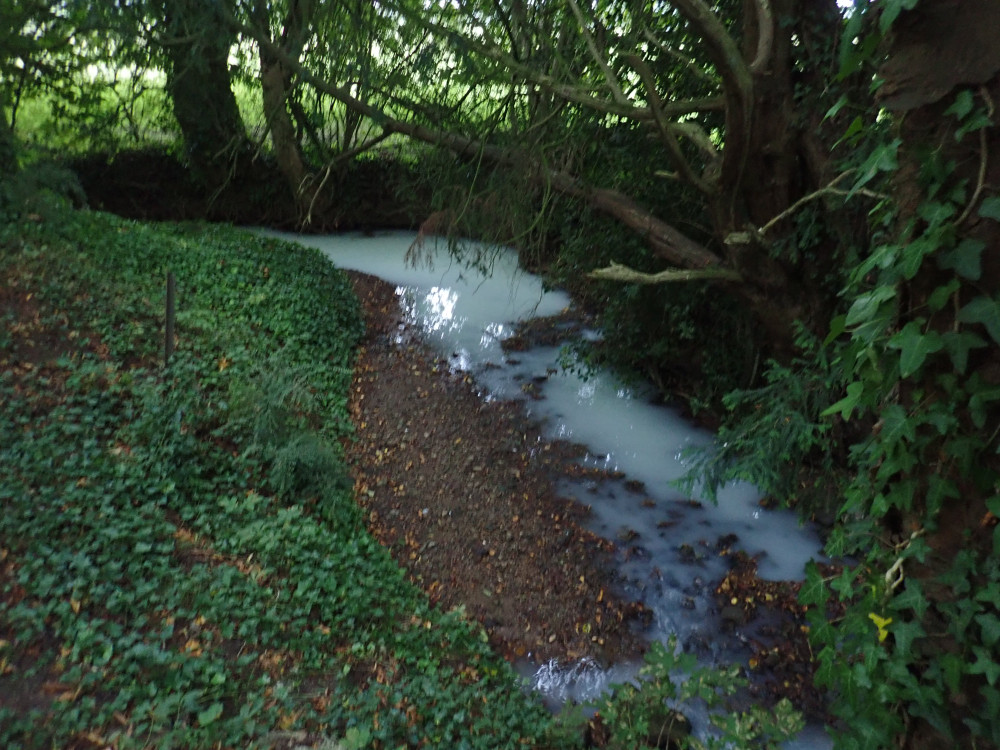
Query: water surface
(670,560)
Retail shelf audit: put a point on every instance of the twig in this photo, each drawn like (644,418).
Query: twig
(984,157)
(743,238)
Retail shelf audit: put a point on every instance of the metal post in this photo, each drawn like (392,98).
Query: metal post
(168,347)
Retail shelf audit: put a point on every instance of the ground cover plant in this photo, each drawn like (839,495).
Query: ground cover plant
(181,560)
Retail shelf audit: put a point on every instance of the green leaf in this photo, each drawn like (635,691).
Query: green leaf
(985,664)
(983,310)
(882,159)
(912,598)
(990,208)
(964,259)
(846,405)
(958,346)
(914,345)
(990,625)
(904,633)
(814,592)
(865,306)
(890,12)
(210,714)
(962,105)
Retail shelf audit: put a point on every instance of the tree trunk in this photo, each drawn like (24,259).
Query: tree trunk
(197,44)
(8,146)
(275,83)
(274,80)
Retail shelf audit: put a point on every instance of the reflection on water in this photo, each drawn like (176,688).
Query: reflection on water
(670,559)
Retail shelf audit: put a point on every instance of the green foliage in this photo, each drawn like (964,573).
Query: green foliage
(928,464)
(640,716)
(897,413)
(651,333)
(185,575)
(40,189)
(775,439)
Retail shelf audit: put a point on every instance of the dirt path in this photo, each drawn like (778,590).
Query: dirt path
(462,492)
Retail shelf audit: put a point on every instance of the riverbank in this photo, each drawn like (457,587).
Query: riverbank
(463,493)
(181,559)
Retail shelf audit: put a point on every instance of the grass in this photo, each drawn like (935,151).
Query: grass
(181,560)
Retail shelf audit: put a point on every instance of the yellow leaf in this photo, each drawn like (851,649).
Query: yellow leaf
(74,604)
(881,623)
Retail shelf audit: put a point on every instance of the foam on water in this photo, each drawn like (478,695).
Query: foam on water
(669,558)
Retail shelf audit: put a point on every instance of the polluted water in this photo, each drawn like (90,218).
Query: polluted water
(668,559)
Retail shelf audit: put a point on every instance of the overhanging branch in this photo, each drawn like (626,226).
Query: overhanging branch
(624,274)
(665,241)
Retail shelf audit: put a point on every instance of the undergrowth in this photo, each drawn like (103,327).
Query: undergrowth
(181,560)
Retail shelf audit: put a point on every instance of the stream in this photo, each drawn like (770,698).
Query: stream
(670,562)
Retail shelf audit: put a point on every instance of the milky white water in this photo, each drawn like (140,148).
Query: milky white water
(670,561)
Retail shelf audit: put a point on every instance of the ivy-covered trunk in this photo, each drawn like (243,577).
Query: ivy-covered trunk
(913,661)
(197,43)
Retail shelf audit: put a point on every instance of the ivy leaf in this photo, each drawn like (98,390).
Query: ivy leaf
(985,664)
(846,405)
(904,633)
(962,105)
(814,592)
(958,346)
(912,598)
(866,305)
(983,310)
(990,625)
(210,714)
(890,12)
(914,345)
(990,208)
(964,259)
(882,159)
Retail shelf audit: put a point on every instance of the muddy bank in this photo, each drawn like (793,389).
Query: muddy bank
(462,492)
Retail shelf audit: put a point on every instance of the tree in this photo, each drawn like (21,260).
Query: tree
(732,95)
(197,44)
(36,53)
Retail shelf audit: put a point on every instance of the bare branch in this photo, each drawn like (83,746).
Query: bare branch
(668,133)
(609,76)
(624,274)
(745,237)
(696,70)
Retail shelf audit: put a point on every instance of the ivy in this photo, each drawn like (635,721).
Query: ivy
(181,575)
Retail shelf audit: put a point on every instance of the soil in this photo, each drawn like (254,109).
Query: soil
(462,492)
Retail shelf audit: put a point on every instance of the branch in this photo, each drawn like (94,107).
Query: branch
(984,158)
(577,94)
(765,36)
(618,272)
(737,87)
(696,70)
(666,241)
(667,130)
(744,238)
(609,76)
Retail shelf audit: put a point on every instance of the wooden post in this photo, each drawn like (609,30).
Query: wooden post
(168,347)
